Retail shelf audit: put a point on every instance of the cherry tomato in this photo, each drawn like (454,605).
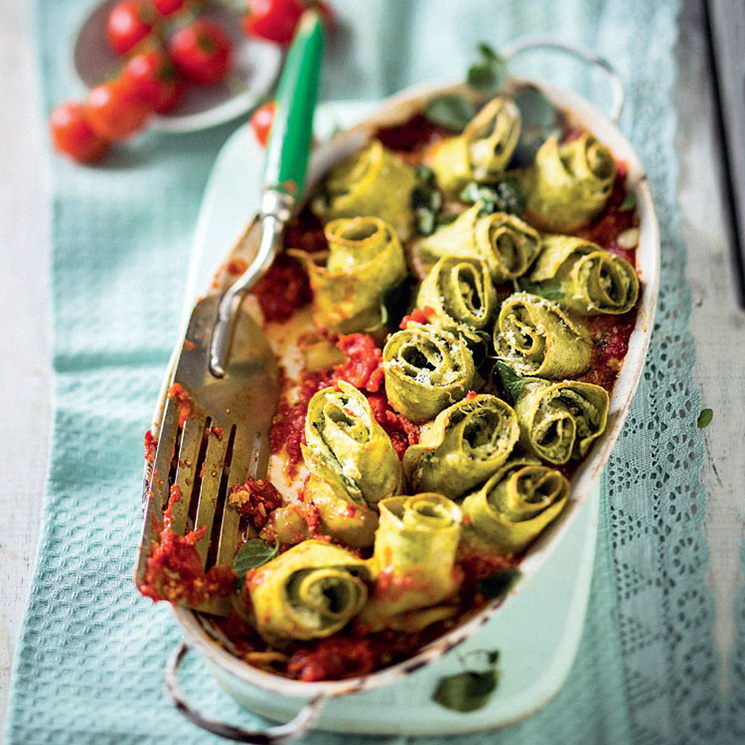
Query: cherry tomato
(169,7)
(129,22)
(262,120)
(202,52)
(153,76)
(72,135)
(276,19)
(115,111)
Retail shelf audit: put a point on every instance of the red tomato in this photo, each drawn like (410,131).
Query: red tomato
(153,76)
(129,22)
(72,135)
(276,19)
(169,7)
(262,120)
(115,111)
(202,52)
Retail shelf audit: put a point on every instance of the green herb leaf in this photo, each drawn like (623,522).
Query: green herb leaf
(425,175)
(469,690)
(253,554)
(499,583)
(509,383)
(551,290)
(503,196)
(395,301)
(489,75)
(450,111)
(629,202)
(535,109)
(704,418)
(424,222)
(539,122)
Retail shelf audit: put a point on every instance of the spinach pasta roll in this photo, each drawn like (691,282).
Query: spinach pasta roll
(536,337)
(373,181)
(459,289)
(567,185)
(346,446)
(413,562)
(514,506)
(310,591)
(506,243)
(583,277)
(365,258)
(426,369)
(558,421)
(484,149)
(349,522)
(462,447)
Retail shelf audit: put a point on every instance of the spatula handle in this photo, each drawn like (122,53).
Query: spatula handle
(289,142)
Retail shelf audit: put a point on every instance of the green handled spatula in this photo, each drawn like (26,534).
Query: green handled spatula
(214,434)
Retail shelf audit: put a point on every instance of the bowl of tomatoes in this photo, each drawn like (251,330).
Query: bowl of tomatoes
(189,65)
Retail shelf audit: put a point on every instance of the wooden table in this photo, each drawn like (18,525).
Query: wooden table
(25,373)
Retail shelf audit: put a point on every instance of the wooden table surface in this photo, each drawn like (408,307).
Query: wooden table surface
(25,317)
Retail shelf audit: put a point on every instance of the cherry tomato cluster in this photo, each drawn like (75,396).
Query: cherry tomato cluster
(164,44)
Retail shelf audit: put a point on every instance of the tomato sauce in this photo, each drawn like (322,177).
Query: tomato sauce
(255,500)
(174,570)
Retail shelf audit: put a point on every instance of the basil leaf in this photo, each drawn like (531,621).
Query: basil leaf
(395,302)
(704,418)
(425,222)
(488,53)
(469,690)
(499,583)
(489,75)
(450,111)
(425,175)
(539,122)
(549,290)
(509,383)
(504,196)
(253,554)
(535,109)
(629,202)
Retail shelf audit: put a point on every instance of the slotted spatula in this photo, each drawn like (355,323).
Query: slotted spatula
(213,433)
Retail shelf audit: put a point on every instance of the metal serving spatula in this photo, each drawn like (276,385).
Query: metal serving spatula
(214,435)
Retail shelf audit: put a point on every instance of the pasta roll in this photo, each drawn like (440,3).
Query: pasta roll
(310,591)
(535,337)
(559,421)
(413,561)
(372,181)
(365,258)
(484,149)
(460,290)
(512,508)
(506,243)
(347,447)
(426,369)
(462,447)
(583,277)
(568,185)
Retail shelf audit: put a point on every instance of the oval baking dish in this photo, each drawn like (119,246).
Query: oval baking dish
(199,632)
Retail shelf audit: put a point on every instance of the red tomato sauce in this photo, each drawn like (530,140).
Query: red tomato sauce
(174,570)
(255,500)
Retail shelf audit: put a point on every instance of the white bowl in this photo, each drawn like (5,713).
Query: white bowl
(256,64)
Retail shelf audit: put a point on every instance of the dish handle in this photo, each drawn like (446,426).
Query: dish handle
(529,43)
(277,735)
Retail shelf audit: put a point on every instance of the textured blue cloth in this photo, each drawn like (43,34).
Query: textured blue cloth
(89,664)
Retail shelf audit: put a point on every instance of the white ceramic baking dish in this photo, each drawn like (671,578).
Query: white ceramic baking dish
(274,695)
